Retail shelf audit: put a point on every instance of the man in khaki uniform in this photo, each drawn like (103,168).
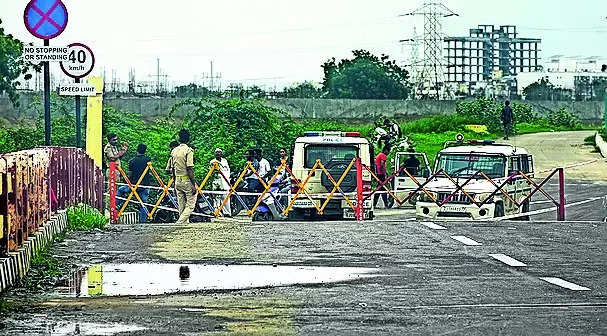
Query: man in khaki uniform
(182,158)
(111,151)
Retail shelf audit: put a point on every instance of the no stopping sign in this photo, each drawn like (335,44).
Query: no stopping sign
(80,61)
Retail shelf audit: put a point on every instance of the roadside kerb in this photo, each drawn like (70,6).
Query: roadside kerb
(14,267)
(601,144)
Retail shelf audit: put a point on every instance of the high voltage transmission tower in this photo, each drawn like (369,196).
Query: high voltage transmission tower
(414,63)
(430,79)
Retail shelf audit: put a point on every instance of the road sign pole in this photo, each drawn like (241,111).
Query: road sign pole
(78,119)
(47,101)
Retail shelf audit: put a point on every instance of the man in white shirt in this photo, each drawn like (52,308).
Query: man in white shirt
(220,183)
(265,169)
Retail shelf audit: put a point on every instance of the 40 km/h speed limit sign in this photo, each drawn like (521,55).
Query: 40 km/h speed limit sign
(80,61)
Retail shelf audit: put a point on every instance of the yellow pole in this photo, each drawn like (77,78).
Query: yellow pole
(94,108)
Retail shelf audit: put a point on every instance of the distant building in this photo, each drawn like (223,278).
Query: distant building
(473,60)
(569,73)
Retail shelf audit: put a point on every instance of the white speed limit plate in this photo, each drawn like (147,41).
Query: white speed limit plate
(80,61)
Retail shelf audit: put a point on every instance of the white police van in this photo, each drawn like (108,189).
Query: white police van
(335,150)
(461,160)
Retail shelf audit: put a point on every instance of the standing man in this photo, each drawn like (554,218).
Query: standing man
(222,182)
(282,157)
(136,167)
(393,130)
(380,171)
(111,151)
(185,184)
(507,118)
(264,165)
(253,184)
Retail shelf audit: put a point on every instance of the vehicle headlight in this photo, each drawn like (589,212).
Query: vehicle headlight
(483,197)
(423,197)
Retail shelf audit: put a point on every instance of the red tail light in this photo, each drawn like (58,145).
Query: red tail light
(294,186)
(352,134)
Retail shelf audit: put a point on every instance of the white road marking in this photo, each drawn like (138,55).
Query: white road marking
(565,284)
(507,260)
(466,240)
(434,226)
(541,202)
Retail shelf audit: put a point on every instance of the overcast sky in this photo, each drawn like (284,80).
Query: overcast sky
(278,42)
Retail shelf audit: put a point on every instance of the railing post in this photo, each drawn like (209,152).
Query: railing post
(112,190)
(359,213)
(561,207)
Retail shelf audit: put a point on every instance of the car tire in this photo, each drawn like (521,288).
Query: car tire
(525,210)
(499,210)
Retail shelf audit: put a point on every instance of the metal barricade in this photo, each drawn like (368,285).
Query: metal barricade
(232,191)
(36,183)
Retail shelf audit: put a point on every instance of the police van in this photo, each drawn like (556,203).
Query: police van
(461,160)
(335,150)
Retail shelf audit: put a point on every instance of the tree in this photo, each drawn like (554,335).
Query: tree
(302,90)
(544,90)
(191,91)
(366,76)
(12,65)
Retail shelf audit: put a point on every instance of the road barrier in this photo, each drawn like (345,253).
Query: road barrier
(35,183)
(232,191)
(459,188)
(361,194)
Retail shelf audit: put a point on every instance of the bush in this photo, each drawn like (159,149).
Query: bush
(83,217)
(564,118)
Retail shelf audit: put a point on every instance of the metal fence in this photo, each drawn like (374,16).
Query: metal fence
(35,183)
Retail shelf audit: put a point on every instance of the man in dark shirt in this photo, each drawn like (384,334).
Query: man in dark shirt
(507,118)
(136,168)
(412,163)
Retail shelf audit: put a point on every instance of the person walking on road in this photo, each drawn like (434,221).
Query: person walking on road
(222,182)
(136,168)
(185,184)
(507,118)
(380,171)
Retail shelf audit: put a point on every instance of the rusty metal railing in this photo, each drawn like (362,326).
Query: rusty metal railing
(35,183)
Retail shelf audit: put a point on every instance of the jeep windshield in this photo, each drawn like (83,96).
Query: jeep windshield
(328,153)
(465,165)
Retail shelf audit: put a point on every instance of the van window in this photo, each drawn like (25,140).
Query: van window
(527,163)
(466,165)
(515,165)
(327,153)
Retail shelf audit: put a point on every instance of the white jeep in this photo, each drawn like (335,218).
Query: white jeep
(461,161)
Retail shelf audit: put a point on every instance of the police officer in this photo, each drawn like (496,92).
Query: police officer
(182,158)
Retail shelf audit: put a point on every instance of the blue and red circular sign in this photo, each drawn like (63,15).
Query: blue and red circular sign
(45,19)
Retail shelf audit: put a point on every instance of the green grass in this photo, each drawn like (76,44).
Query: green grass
(84,218)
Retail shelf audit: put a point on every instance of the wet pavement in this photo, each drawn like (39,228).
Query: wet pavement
(393,276)
(158,279)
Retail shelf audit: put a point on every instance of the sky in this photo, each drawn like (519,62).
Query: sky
(276,43)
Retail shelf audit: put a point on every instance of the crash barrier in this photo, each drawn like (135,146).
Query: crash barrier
(35,183)
(460,193)
(232,191)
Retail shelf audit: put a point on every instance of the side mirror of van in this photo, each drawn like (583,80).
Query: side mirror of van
(426,173)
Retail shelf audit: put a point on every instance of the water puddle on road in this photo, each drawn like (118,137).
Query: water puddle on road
(158,279)
(66,328)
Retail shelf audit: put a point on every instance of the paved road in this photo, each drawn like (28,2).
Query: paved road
(556,149)
(426,283)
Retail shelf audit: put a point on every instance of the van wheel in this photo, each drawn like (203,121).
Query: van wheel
(525,209)
(390,202)
(499,210)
